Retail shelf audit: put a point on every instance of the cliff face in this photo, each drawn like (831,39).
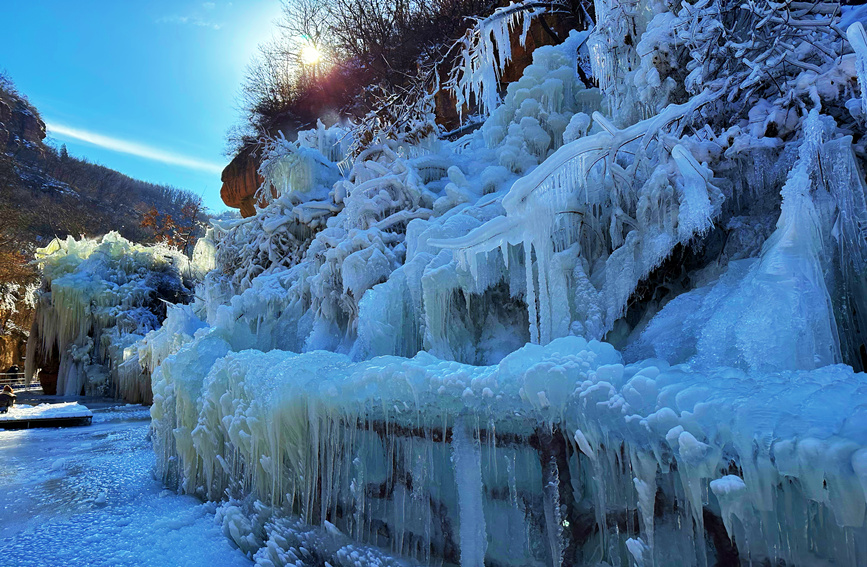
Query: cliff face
(241,180)
(21,130)
(21,136)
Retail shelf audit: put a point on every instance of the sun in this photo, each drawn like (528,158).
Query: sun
(310,54)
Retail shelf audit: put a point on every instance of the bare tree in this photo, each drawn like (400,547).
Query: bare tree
(370,50)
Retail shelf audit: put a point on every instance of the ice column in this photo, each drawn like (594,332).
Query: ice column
(467,460)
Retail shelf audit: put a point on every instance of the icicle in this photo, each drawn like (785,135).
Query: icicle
(696,211)
(645,467)
(531,292)
(551,506)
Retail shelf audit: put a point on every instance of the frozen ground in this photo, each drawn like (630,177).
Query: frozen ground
(86,496)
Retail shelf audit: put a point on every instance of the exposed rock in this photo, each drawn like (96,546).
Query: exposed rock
(5,118)
(28,126)
(21,131)
(241,180)
(13,347)
(5,113)
(545,30)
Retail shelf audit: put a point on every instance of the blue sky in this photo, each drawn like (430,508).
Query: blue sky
(148,88)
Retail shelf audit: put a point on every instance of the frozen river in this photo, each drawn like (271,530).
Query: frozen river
(86,496)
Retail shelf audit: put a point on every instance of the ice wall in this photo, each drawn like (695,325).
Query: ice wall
(98,298)
(549,221)
(786,308)
(558,452)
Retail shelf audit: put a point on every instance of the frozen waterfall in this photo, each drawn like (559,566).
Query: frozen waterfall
(615,325)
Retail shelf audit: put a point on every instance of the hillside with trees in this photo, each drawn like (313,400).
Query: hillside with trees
(46,193)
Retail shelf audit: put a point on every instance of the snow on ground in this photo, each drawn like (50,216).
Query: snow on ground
(46,411)
(86,496)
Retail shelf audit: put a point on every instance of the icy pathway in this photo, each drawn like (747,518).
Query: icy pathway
(85,496)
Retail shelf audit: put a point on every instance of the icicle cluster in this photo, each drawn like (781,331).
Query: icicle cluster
(98,298)
(486,50)
(581,204)
(318,435)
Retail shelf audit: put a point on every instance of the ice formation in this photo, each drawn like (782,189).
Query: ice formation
(486,51)
(99,297)
(437,460)
(616,325)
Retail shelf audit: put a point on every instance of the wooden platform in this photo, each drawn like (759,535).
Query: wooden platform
(45,422)
(68,414)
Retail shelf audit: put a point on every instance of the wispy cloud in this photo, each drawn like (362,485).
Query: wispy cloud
(190,20)
(203,15)
(132,148)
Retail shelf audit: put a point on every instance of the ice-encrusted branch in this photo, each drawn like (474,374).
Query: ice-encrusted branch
(486,50)
(607,222)
(587,151)
(406,115)
(748,46)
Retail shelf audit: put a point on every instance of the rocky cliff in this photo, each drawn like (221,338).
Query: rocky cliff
(21,129)
(241,180)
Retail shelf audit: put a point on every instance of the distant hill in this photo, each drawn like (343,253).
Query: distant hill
(46,193)
(55,194)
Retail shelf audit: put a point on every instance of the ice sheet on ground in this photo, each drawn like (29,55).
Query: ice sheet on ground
(86,496)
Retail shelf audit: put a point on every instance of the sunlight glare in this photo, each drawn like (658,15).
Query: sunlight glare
(310,54)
